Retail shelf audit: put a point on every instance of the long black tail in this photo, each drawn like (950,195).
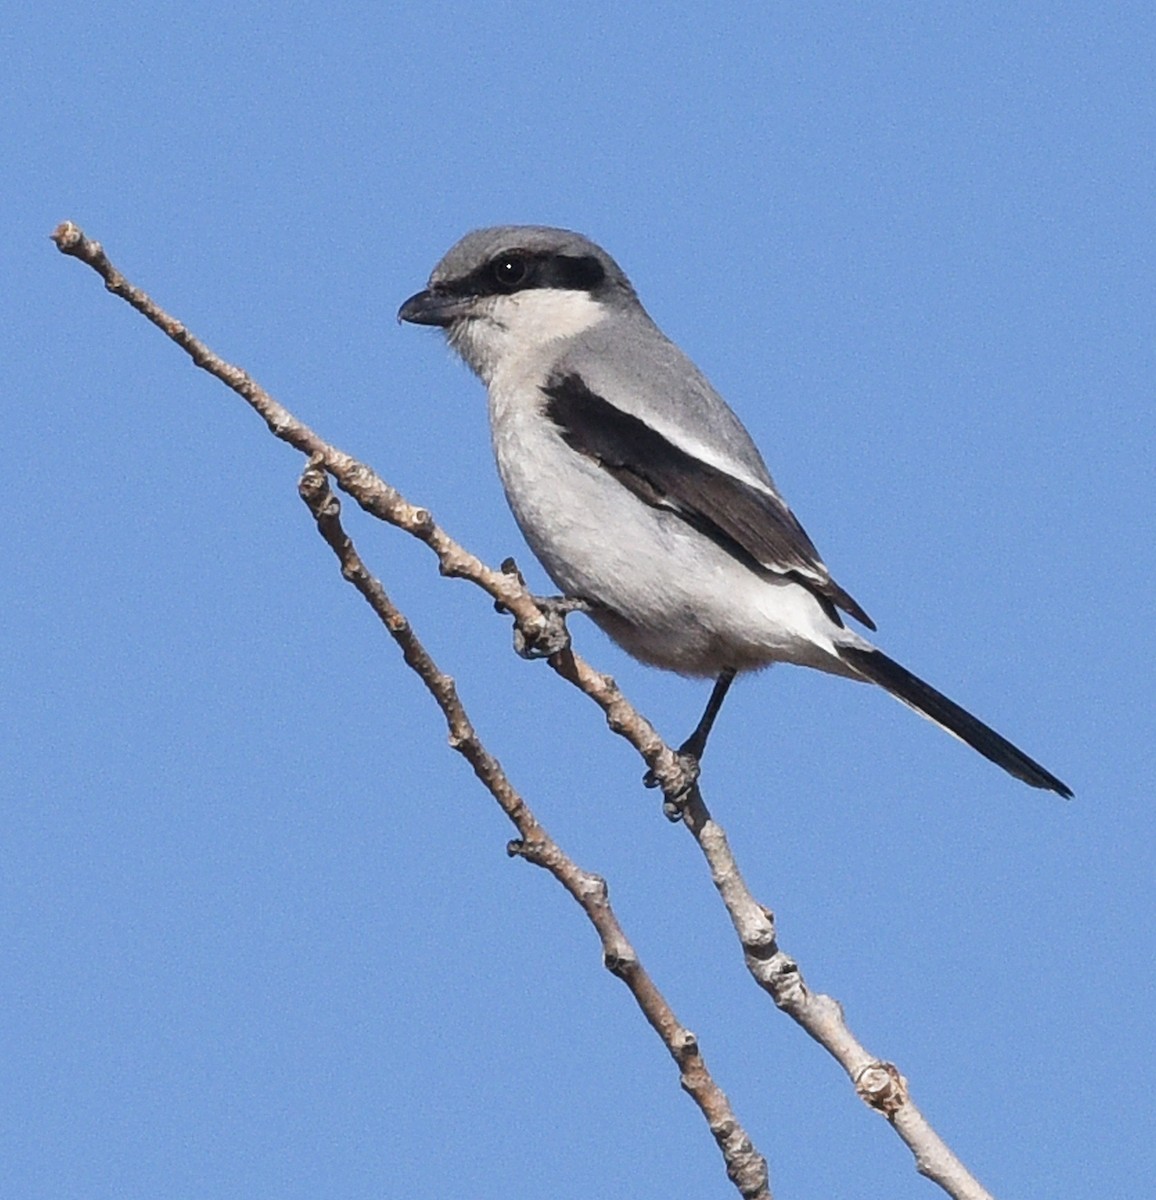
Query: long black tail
(877,667)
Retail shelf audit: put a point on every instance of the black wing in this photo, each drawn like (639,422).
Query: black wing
(753,525)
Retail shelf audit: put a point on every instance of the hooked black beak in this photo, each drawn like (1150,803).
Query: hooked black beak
(432,308)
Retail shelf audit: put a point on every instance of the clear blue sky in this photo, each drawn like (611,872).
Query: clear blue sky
(259,934)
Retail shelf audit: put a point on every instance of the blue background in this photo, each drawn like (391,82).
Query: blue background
(258,930)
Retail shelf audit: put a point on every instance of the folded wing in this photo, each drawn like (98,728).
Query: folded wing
(751,522)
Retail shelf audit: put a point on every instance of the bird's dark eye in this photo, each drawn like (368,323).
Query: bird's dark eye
(509,271)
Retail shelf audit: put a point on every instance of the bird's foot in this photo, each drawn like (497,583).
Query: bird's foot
(679,780)
(552,635)
(678,777)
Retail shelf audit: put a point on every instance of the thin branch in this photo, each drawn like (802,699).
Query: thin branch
(877,1082)
(745,1166)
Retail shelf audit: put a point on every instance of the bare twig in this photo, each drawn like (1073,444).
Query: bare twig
(877,1082)
(745,1166)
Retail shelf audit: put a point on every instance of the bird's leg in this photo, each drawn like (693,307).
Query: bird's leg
(553,636)
(695,745)
(691,751)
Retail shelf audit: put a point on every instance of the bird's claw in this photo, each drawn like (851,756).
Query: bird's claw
(551,636)
(677,778)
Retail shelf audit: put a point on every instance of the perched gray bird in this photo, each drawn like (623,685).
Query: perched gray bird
(640,491)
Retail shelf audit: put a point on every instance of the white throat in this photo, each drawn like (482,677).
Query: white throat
(506,331)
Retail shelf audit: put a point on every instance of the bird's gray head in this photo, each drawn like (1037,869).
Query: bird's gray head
(506,293)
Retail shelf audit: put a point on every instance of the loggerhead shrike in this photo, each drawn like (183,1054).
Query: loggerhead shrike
(640,491)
